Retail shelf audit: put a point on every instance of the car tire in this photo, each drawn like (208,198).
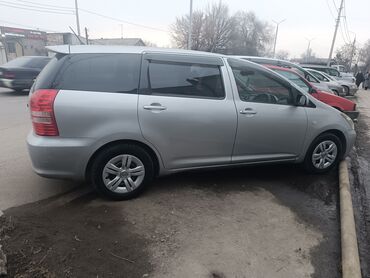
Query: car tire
(116,174)
(323,154)
(346,91)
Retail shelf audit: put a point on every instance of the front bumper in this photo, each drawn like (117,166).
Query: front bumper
(16,84)
(350,140)
(352,114)
(55,157)
(353,91)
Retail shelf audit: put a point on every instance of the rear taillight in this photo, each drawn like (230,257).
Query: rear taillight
(9,75)
(42,112)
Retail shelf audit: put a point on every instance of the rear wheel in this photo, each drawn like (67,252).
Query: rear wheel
(323,154)
(122,172)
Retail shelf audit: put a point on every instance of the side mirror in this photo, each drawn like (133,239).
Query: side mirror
(301,100)
(312,91)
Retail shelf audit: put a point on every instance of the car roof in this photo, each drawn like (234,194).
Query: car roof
(78,49)
(315,66)
(279,68)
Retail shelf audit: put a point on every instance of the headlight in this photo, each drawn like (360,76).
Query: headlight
(353,87)
(348,120)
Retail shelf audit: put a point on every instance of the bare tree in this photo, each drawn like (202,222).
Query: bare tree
(218,28)
(282,55)
(251,35)
(214,30)
(180,31)
(345,54)
(364,56)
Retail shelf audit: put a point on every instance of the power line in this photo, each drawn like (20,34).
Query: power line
(69,10)
(28,26)
(47,5)
(37,6)
(31,9)
(124,21)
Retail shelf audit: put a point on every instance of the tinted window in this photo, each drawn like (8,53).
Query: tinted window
(183,79)
(295,78)
(100,72)
(47,76)
(257,86)
(38,63)
(333,72)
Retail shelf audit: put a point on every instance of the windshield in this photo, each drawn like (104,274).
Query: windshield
(295,78)
(320,75)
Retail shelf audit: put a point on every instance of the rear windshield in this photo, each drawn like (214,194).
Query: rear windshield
(28,62)
(118,73)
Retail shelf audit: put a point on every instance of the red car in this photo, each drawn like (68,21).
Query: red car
(345,105)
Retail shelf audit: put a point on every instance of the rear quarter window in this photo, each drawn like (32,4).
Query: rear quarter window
(116,73)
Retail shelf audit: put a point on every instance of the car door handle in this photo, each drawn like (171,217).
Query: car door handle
(155,106)
(248,111)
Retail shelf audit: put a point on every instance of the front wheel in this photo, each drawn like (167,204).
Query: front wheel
(122,172)
(323,154)
(346,90)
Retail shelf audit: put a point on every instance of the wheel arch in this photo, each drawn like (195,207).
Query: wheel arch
(151,152)
(341,137)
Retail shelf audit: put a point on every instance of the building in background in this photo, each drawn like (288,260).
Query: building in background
(22,42)
(122,41)
(64,38)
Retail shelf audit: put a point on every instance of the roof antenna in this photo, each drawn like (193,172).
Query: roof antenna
(81,42)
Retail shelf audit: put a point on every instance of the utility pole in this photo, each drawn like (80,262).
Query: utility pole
(190,24)
(335,31)
(276,35)
(77,19)
(87,36)
(352,53)
(308,48)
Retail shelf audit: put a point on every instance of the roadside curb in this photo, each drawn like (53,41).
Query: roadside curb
(350,257)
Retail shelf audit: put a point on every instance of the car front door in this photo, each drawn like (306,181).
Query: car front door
(186,110)
(270,127)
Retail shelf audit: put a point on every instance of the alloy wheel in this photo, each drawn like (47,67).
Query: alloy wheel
(123,173)
(325,154)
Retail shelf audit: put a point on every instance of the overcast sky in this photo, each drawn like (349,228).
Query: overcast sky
(304,19)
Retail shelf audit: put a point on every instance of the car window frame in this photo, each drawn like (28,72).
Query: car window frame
(272,75)
(144,87)
(58,80)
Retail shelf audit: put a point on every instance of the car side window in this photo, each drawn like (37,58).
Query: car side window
(113,73)
(256,86)
(184,80)
(296,79)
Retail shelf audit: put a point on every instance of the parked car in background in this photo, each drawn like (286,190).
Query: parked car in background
(119,116)
(282,63)
(342,104)
(20,73)
(350,88)
(331,71)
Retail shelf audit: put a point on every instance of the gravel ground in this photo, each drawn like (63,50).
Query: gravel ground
(273,221)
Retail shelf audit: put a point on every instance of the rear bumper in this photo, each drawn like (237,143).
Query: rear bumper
(16,84)
(55,157)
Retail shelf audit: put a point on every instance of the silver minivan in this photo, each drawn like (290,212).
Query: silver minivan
(120,116)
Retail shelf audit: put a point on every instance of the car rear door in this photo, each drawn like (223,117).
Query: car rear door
(186,109)
(270,128)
